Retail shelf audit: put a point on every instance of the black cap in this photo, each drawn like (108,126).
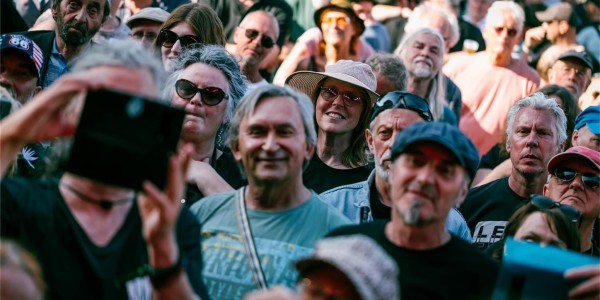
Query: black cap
(444,134)
(581,56)
(403,100)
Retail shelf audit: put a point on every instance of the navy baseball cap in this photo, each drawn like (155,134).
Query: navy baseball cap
(25,45)
(578,55)
(444,134)
(590,117)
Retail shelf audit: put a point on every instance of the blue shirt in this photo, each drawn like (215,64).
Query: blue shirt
(57,66)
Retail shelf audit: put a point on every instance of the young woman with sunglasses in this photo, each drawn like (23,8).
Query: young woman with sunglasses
(208,84)
(336,37)
(343,95)
(188,24)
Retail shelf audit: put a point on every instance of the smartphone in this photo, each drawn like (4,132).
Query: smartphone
(124,139)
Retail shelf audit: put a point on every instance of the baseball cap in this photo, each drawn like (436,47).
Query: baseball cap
(444,134)
(25,45)
(403,100)
(155,14)
(371,270)
(578,152)
(558,12)
(582,56)
(590,117)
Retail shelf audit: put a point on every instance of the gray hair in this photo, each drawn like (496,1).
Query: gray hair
(539,101)
(218,58)
(421,13)
(389,66)
(436,97)
(498,9)
(125,53)
(251,101)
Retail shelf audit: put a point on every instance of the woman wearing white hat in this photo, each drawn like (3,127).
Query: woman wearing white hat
(343,96)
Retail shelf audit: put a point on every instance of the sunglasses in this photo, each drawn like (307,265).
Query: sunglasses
(330,94)
(341,22)
(265,41)
(566,175)
(509,31)
(542,202)
(405,100)
(168,38)
(211,95)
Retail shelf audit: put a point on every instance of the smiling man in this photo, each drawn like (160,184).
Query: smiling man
(536,132)
(432,167)
(272,138)
(77,21)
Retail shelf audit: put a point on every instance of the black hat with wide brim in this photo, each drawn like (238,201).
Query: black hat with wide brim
(345,7)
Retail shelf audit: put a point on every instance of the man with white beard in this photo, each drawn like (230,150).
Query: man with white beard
(369,200)
(431,167)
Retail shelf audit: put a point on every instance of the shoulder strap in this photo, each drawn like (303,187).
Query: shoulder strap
(248,240)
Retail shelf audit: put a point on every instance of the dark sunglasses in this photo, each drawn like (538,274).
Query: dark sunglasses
(330,94)
(405,100)
(546,203)
(509,31)
(211,95)
(168,38)
(265,41)
(566,175)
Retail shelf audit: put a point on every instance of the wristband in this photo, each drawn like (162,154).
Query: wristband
(162,276)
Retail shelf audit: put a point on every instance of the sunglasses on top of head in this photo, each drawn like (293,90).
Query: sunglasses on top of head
(168,38)
(566,175)
(210,96)
(265,41)
(542,202)
(400,99)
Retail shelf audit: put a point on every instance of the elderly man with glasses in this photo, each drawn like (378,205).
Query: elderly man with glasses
(370,200)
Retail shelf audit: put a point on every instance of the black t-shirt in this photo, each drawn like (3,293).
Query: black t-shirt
(34,214)
(379,211)
(320,177)
(227,168)
(468,31)
(487,209)
(455,270)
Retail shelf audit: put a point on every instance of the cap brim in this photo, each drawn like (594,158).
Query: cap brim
(435,139)
(569,156)
(308,81)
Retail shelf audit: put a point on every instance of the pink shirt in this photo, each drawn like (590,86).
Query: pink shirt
(488,92)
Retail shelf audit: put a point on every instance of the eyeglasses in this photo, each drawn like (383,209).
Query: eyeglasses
(566,175)
(509,31)
(168,38)
(546,203)
(405,100)
(140,35)
(210,96)
(330,94)
(341,22)
(265,41)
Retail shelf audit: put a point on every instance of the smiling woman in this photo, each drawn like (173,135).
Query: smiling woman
(343,96)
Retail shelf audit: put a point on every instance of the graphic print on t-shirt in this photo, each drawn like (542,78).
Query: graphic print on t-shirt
(487,233)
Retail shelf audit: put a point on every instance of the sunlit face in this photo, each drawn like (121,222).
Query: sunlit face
(536,228)
(327,283)
(426,182)
(336,116)
(438,22)
(362,9)
(478,8)
(585,137)
(202,121)
(423,56)
(533,141)
(571,74)
(170,54)
(337,28)
(77,21)
(552,30)
(145,31)
(252,50)
(18,74)
(575,193)
(272,143)
(386,127)
(497,36)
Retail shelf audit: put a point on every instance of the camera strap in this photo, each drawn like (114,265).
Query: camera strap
(248,239)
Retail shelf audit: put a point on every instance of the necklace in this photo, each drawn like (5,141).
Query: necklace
(103,203)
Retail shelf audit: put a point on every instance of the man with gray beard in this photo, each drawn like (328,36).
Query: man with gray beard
(432,164)
(76,23)
(369,200)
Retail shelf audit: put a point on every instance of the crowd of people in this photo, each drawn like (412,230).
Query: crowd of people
(341,149)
